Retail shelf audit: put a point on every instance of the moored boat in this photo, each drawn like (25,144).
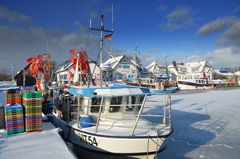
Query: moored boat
(194,84)
(105,120)
(153,85)
(110,120)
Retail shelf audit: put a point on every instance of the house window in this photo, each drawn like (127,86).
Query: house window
(125,66)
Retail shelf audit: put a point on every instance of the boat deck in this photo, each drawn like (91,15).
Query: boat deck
(123,130)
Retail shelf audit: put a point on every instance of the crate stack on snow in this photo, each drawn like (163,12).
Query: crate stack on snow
(13,111)
(32,102)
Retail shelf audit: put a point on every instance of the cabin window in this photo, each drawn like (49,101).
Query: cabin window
(95,105)
(114,102)
(136,101)
(78,100)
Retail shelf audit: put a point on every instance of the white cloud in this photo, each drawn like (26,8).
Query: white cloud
(231,37)
(221,57)
(217,25)
(15,17)
(177,19)
(18,44)
(224,57)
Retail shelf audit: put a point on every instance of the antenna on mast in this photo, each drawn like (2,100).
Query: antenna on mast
(112,17)
(102,30)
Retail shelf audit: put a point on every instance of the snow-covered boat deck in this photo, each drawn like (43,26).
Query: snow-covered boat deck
(206,125)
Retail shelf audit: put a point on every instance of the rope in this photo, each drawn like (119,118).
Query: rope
(155,141)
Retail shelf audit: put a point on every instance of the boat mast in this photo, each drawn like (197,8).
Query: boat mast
(165,59)
(101,29)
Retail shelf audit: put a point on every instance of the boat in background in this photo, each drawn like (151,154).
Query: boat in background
(153,85)
(194,84)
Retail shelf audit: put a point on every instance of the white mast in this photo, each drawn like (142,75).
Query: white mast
(76,73)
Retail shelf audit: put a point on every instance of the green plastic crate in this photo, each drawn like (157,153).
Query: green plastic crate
(13,111)
(33,128)
(33,111)
(31,105)
(32,94)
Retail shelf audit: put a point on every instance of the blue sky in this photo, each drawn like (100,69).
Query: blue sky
(181,30)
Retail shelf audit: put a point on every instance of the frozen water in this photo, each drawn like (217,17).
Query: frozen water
(206,125)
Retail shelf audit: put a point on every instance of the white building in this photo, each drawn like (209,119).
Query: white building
(237,73)
(62,73)
(193,70)
(193,75)
(156,69)
(121,67)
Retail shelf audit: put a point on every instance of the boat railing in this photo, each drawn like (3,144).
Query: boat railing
(139,111)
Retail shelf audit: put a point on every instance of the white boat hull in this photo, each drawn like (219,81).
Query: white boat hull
(130,146)
(189,87)
(193,85)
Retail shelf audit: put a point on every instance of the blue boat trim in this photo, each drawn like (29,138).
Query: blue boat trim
(89,92)
(147,90)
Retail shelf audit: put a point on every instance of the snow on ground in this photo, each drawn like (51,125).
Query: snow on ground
(206,125)
(35,145)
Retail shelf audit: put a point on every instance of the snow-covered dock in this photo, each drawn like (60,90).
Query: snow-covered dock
(36,145)
(206,125)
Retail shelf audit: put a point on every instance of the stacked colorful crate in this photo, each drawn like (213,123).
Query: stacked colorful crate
(2,117)
(32,102)
(13,98)
(14,119)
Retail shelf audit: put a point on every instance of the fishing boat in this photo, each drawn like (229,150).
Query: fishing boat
(108,119)
(113,121)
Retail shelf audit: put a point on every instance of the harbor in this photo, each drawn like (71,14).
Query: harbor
(90,85)
(205,126)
